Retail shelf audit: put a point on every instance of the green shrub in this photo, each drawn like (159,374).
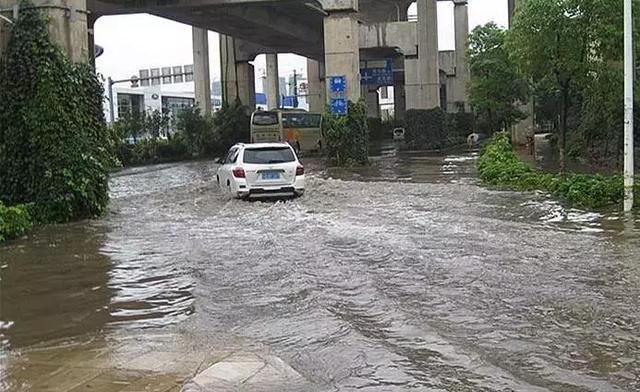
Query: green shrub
(347,137)
(376,129)
(206,136)
(459,126)
(232,125)
(55,146)
(195,129)
(14,221)
(426,129)
(153,151)
(436,129)
(499,165)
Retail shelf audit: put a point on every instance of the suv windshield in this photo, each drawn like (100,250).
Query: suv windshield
(268,155)
(265,118)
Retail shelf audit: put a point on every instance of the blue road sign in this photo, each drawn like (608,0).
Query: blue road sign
(290,101)
(376,72)
(338,84)
(339,106)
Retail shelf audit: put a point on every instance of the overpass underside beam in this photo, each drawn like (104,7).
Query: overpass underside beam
(283,29)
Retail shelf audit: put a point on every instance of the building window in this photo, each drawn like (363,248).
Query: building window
(174,105)
(129,103)
(384,92)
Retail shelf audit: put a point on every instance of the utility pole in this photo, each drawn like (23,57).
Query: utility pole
(295,84)
(628,107)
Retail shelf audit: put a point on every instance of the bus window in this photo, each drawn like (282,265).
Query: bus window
(265,118)
(301,120)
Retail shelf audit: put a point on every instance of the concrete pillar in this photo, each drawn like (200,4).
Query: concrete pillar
(246,84)
(342,49)
(317,86)
(67,25)
(228,72)
(428,60)
(402,12)
(201,72)
(412,84)
(524,128)
(399,99)
(272,88)
(91,21)
(463,75)
(237,75)
(399,103)
(373,101)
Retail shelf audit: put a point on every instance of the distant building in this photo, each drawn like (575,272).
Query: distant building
(151,98)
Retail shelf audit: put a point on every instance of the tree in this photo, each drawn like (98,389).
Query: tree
(550,43)
(195,128)
(129,125)
(572,51)
(155,123)
(54,145)
(496,85)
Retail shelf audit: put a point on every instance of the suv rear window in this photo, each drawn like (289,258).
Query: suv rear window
(265,118)
(268,155)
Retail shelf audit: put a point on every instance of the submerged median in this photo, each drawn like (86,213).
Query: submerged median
(499,165)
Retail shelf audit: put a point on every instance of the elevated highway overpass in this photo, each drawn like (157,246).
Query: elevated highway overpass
(333,34)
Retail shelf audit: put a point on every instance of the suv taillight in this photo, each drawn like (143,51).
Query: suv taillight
(238,172)
(300,170)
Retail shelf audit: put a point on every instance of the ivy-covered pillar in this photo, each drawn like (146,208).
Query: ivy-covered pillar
(67,24)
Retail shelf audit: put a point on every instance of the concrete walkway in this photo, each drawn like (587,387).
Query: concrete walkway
(123,367)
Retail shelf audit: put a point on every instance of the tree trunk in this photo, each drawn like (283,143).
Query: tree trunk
(564,109)
(491,128)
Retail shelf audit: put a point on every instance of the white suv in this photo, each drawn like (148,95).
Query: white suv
(261,170)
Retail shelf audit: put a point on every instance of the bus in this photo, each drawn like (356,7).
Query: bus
(303,130)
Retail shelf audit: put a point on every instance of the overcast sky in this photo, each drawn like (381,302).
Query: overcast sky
(134,42)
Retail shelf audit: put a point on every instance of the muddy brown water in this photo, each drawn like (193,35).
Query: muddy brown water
(403,275)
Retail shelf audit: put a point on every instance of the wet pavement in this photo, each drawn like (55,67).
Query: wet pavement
(403,275)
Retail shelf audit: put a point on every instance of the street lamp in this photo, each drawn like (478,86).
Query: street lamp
(628,106)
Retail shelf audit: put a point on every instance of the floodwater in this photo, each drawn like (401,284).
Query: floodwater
(403,275)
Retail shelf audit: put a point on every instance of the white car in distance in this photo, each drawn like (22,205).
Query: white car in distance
(261,170)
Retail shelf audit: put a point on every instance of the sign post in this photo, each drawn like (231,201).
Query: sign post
(628,107)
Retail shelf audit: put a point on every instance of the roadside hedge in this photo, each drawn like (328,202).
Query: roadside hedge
(436,129)
(499,165)
(14,221)
(426,129)
(153,151)
(347,137)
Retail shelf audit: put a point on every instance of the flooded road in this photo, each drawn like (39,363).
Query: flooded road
(403,275)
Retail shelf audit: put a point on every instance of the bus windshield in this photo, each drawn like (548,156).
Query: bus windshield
(301,120)
(265,118)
